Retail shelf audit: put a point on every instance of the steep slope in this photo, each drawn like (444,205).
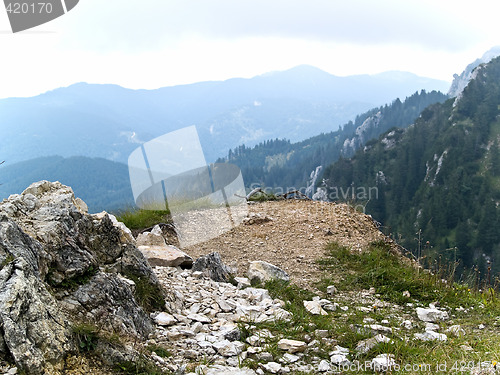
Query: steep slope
(283,165)
(461,81)
(437,182)
(110,121)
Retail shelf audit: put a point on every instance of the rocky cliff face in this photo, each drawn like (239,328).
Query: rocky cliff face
(462,80)
(61,267)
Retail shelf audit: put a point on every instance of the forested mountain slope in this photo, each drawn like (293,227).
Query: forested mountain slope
(438,180)
(281,164)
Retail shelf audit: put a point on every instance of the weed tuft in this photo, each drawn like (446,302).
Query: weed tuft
(140,219)
(86,336)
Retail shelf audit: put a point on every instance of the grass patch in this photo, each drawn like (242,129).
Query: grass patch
(263,197)
(378,267)
(140,366)
(160,351)
(390,275)
(150,296)
(86,336)
(140,219)
(8,259)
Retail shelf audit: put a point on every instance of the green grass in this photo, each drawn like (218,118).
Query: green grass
(160,351)
(8,259)
(263,197)
(390,275)
(140,366)
(149,296)
(140,219)
(86,336)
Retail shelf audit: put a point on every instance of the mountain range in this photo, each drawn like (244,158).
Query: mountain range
(110,121)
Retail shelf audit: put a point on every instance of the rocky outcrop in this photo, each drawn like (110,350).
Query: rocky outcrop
(61,266)
(211,265)
(462,80)
(153,246)
(34,331)
(260,271)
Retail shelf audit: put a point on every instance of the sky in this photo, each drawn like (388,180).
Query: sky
(155,43)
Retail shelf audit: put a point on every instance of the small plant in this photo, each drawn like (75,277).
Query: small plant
(159,350)
(8,259)
(86,336)
(140,219)
(263,197)
(149,295)
(140,366)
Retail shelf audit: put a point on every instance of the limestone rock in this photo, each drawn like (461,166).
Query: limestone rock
(199,318)
(456,330)
(211,265)
(223,370)
(164,319)
(314,307)
(272,367)
(365,346)
(340,360)
(153,238)
(289,358)
(431,326)
(331,290)
(324,366)
(262,271)
(228,348)
(166,256)
(431,315)
(292,346)
(112,303)
(88,262)
(35,332)
(243,282)
(126,235)
(430,336)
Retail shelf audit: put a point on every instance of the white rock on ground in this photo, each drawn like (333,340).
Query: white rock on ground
(292,346)
(164,319)
(431,315)
(263,271)
(331,290)
(165,256)
(430,336)
(456,330)
(222,370)
(272,367)
(324,366)
(314,307)
(340,360)
(365,346)
(153,238)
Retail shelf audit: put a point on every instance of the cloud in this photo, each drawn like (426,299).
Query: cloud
(150,24)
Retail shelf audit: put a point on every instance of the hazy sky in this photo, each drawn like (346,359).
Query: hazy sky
(155,43)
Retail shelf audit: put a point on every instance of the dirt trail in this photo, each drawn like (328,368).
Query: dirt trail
(291,234)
